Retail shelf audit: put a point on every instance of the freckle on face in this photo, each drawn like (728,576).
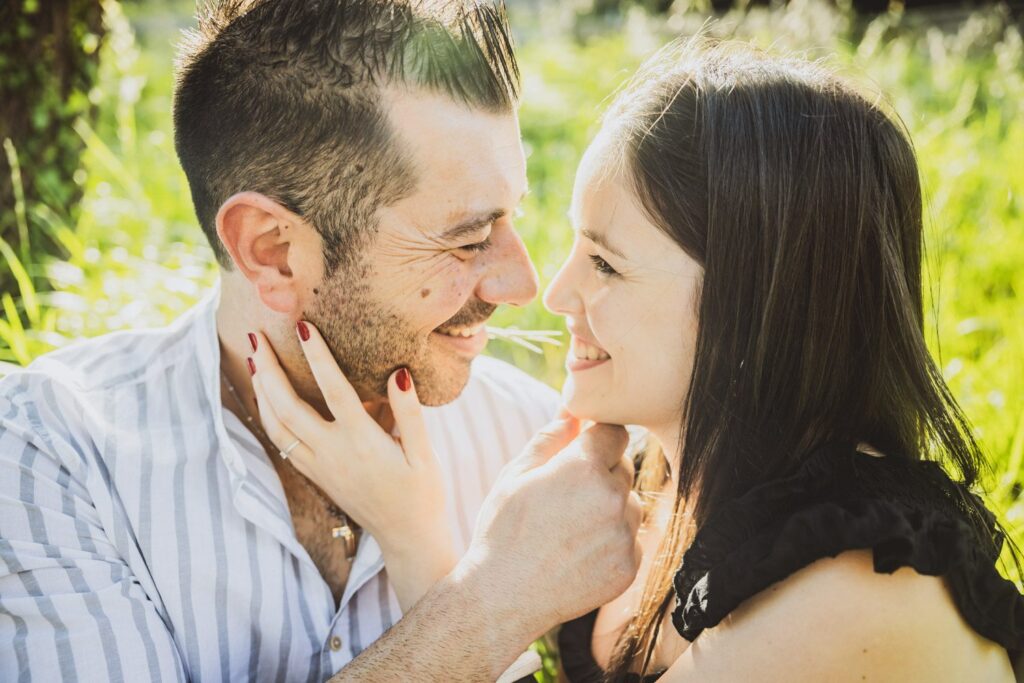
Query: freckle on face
(424,293)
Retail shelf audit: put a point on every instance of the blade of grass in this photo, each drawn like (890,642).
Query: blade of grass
(1013,464)
(111,162)
(19,198)
(16,340)
(59,232)
(21,276)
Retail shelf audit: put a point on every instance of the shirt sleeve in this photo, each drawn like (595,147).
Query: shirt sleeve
(70,607)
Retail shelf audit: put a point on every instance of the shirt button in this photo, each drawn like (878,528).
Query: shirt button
(335,643)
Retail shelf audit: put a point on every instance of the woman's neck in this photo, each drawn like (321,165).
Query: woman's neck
(670,438)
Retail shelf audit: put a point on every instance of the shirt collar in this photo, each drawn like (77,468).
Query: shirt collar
(206,349)
(206,346)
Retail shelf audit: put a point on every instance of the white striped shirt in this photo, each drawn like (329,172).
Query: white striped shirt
(145,536)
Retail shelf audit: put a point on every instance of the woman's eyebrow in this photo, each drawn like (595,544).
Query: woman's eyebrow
(600,240)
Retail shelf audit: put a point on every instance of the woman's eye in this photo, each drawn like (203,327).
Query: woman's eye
(601,266)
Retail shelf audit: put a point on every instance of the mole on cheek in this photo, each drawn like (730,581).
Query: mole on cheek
(424,293)
(316,291)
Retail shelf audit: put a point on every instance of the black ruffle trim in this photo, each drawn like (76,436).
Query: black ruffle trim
(842,500)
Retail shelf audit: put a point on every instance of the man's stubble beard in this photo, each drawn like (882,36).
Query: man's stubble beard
(370,341)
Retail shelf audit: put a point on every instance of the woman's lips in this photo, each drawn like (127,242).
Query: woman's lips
(583,355)
(577,365)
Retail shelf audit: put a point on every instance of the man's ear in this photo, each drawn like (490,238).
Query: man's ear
(262,238)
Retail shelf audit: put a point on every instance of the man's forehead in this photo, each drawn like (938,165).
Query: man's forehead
(469,164)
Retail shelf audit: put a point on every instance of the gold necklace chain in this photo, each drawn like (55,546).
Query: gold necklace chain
(344,529)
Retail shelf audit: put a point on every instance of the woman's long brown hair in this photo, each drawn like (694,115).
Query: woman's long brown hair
(800,198)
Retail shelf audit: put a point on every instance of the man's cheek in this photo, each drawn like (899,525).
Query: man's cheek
(425,287)
(443,300)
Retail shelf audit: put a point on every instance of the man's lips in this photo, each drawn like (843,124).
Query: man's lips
(462,330)
(467,341)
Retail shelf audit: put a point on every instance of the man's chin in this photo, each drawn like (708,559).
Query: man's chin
(443,381)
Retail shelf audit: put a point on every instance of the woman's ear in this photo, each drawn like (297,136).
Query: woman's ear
(270,247)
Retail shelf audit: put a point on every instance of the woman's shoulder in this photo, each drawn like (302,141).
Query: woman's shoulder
(893,626)
(902,513)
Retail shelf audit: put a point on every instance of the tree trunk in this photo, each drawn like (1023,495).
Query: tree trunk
(48,64)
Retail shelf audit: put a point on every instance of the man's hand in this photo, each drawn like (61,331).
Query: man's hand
(557,536)
(555,539)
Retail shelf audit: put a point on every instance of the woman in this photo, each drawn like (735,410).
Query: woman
(758,222)
(746,284)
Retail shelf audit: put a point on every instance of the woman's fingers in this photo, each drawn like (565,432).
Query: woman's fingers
(405,405)
(288,407)
(340,396)
(281,436)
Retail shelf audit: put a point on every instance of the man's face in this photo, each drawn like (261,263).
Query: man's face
(442,259)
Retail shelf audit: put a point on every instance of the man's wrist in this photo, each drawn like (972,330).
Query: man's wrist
(465,623)
(507,625)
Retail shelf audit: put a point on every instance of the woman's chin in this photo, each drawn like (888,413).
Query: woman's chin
(587,408)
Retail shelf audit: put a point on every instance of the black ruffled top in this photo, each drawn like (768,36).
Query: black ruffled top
(908,512)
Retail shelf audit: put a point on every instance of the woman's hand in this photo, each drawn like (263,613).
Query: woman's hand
(392,487)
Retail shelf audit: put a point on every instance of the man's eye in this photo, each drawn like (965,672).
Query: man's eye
(601,266)
(478,246)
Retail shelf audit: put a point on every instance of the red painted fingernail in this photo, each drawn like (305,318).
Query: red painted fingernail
(303,331)
(252,341)
(403,379)
(252,366)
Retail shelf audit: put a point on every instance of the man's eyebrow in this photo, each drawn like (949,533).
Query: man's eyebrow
(601,241)
(472,224)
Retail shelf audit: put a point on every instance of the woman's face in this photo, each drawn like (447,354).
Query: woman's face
(630,297)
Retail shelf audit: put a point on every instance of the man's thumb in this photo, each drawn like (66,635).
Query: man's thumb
(547,442)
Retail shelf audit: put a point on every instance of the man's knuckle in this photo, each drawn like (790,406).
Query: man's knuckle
(622,572)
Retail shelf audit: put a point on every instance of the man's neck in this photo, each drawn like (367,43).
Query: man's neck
(238,314)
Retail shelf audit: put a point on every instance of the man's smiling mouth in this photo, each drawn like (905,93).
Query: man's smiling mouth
(465,341)
(470,331)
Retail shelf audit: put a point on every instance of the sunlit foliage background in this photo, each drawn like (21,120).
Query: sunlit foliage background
(137,257)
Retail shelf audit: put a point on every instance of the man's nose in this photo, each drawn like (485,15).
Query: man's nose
(509,276)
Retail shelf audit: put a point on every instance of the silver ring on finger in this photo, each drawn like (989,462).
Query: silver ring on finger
(291,447)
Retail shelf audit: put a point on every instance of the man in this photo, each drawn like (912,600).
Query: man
(356,164)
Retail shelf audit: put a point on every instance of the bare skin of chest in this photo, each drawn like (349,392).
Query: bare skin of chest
(313,524)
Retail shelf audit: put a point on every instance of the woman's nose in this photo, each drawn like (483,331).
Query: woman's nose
(562,296)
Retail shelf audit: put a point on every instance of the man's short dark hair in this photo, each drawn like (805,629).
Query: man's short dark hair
(283,97)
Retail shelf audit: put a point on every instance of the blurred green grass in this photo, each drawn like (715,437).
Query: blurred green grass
(138,259)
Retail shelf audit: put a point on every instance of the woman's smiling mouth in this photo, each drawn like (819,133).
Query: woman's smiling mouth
(584,355)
